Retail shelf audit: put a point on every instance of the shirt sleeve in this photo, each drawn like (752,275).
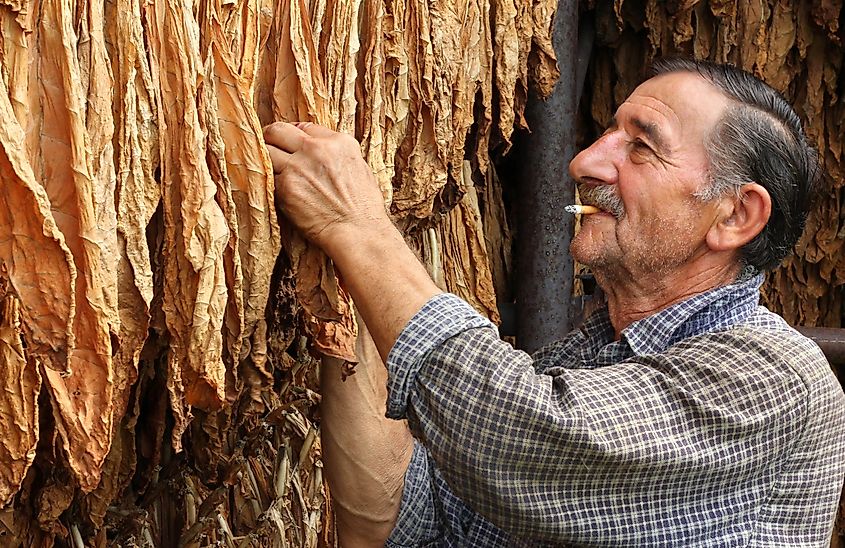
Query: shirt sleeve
(418,523)
(431,515)
(619,455)
(442,317)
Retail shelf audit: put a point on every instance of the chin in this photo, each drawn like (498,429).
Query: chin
(586,253)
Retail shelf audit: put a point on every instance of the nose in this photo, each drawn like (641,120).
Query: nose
(599,163)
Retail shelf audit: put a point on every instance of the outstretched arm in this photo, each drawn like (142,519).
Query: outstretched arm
(327,190)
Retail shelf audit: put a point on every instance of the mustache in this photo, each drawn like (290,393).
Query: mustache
(603,197)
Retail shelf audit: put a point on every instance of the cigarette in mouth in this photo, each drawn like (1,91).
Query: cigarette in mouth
(576,209)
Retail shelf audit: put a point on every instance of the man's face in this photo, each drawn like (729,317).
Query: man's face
(643,172)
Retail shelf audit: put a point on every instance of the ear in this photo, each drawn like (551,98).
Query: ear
(740,218)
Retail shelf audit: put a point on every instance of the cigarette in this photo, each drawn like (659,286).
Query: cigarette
(577,209)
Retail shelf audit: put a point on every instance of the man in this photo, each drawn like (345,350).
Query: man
(683,414)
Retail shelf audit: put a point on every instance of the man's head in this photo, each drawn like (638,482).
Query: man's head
(759,139)
(701,163)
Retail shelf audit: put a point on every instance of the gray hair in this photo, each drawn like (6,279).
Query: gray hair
(759,139)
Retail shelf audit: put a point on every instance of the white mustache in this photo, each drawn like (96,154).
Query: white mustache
(603,197)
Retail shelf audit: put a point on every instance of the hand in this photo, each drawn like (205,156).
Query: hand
(323,183)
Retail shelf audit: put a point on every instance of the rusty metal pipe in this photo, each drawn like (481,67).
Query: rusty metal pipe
(544,267)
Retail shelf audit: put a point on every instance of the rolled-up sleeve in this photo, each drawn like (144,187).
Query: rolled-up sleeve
(441,318)
(431,515)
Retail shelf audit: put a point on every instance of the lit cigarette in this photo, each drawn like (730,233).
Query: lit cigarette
(581,209)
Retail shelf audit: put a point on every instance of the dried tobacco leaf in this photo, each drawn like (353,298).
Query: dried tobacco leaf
(338,53)
(543,62)
(465,261)
(196,232)
(78,188)
(137,195)
(18,402)
(498,240)
(34,256)
(248,171)
(506,49)
(472,93)
(421,165)
(370,90)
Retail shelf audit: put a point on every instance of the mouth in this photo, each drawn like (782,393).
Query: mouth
(602,197)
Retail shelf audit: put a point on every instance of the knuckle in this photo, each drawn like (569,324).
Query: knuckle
(348,140)
(271,129)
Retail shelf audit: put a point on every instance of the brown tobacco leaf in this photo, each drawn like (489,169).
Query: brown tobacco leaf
(498,240)
(20,10)
(78,187)
(396,73)
(782,37)
(525,33)
(338,53)
(300,94)
(753,15)
(34,256)
(16,35)
(421,165)
(471,83)
(18,401)
(330,321)
(196,232)
(705,32)
(506,52)
(299,91)
(543,64)
(233,321)
(249,174)
(137,195)
(370,123)
(466,264)
(826,14)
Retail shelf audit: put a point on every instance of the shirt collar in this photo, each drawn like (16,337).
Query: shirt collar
(713,310)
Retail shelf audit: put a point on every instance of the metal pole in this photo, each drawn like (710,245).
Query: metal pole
(544,266)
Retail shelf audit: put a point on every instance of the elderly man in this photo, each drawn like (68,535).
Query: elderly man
(682,414)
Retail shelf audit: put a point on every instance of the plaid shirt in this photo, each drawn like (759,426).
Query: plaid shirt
(710,423)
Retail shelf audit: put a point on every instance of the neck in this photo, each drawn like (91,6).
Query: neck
(640,296)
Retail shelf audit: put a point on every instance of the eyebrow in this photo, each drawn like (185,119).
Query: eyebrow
(651,131)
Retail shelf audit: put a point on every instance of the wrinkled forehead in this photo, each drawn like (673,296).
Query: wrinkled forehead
(685,106)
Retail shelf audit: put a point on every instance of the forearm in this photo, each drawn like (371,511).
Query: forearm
(326,189)
(384,277)
(365,454)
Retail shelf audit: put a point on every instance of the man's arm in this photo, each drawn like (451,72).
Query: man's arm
(327,190)
(365,454)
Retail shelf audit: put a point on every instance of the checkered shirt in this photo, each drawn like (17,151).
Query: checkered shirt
(710,423)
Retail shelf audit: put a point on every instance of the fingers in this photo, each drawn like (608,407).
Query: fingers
(315,130)
(278,158)
(285,137)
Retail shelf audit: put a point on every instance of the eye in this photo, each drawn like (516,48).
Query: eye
(641,145)
(640,151)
